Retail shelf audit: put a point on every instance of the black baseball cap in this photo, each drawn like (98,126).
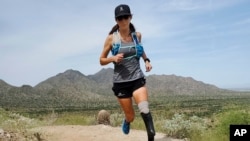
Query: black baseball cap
(122,10)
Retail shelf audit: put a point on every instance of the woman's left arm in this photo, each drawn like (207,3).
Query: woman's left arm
(144,56)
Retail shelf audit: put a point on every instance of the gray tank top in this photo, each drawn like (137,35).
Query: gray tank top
(129,68)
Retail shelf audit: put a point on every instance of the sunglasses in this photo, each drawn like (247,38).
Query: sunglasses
(120,18)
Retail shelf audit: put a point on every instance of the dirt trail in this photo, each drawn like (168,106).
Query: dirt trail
(94,133)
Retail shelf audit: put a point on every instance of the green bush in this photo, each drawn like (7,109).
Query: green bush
(225,119)
(220,130)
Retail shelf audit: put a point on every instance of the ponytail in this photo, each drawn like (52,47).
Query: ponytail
(131,27)
(116,27)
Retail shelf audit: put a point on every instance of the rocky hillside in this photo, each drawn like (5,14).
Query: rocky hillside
(172,84)
(74,89)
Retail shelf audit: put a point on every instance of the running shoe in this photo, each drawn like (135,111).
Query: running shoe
(125,127)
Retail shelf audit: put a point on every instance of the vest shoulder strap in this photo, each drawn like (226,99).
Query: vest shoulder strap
(135,38)
(116,38)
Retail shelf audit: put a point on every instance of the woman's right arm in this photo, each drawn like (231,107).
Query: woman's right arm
(104,59)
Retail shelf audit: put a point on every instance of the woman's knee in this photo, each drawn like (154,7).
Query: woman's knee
(143,107)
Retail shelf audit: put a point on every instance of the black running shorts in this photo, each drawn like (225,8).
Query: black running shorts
(126,89)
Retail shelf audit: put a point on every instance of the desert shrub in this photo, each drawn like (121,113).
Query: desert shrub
(19,123)
(3,116)
(182,127)
(16,126)
(116,119)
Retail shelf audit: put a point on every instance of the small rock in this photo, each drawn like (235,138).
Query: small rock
(103,117)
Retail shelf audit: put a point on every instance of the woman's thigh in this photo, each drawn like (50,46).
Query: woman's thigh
(127,105)
(140,94)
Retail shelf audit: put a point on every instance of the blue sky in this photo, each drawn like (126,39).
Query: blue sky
(207,40)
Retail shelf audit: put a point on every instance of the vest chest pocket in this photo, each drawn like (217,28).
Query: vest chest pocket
(128,52)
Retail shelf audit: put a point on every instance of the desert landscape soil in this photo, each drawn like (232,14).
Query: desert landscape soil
(94,133)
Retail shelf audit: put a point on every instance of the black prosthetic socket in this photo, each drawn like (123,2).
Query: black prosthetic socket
(147,118)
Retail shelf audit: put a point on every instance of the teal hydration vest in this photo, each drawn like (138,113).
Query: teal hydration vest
(117,45)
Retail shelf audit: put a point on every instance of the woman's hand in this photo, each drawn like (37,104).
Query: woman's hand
(118,57)
(148,66)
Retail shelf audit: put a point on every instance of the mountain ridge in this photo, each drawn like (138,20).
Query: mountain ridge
(72,88)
